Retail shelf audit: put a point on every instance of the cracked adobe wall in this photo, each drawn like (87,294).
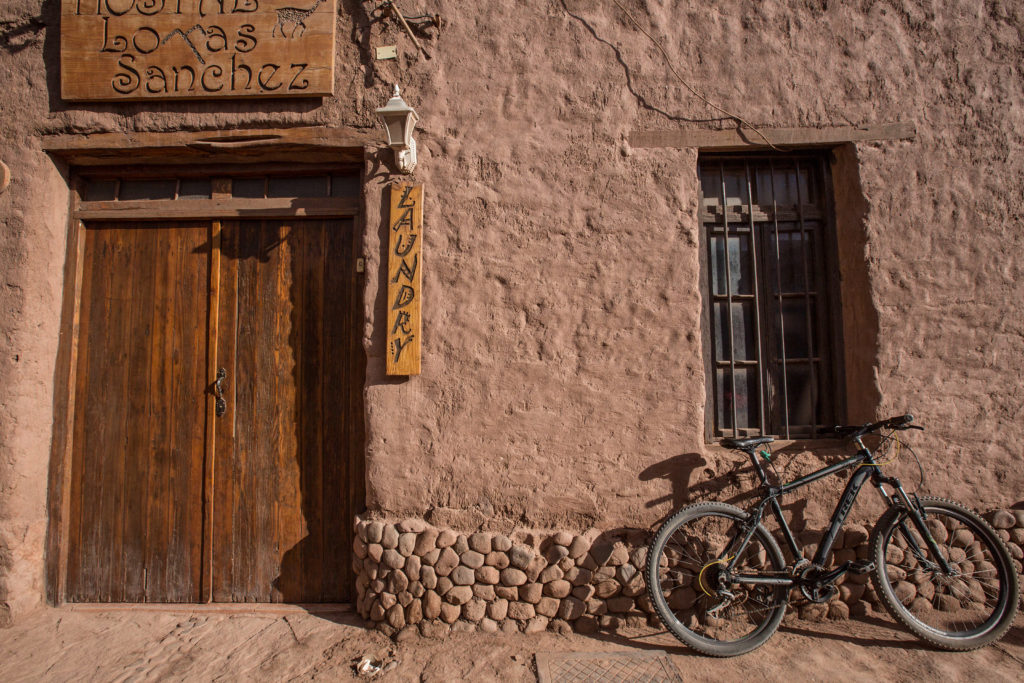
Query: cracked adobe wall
(563,382)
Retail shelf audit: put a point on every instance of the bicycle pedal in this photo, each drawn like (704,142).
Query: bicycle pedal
(862,567)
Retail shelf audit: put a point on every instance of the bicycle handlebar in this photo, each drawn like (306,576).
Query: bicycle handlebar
(898,422)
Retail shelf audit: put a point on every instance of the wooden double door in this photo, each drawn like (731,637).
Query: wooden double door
(218,428)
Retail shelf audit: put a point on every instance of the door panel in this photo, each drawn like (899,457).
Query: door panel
(283,476)
(136,522)
(285,459)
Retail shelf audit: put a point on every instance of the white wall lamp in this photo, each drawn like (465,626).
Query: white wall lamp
(399,121)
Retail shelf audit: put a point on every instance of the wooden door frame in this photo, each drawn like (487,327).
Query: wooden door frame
(84,162)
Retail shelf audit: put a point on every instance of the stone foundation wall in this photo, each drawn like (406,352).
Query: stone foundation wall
(412,574)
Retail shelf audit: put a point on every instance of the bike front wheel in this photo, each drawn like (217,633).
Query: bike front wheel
(963,610)
(694,598)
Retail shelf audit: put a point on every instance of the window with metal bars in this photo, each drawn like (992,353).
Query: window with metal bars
(771,285)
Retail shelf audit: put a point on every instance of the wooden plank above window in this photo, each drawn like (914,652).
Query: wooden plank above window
(736,139)
(311,144)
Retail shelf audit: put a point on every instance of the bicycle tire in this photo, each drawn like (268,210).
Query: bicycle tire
(661,556)
(982,596)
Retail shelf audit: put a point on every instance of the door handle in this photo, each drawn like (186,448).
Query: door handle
(220,406)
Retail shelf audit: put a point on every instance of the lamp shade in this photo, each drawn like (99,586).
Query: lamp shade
(399,121)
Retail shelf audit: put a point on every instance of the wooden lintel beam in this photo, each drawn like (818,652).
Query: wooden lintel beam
(182,146)
(744,138)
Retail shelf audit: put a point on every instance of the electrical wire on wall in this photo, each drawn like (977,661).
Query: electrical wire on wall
(668,60)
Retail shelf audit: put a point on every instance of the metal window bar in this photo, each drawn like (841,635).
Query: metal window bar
(781,360)
(762,425)
(807,304)
(728,292)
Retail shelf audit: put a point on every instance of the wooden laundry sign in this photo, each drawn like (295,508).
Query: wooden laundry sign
(405,291)
(199,49)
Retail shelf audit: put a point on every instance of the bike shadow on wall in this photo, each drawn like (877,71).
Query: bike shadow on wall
(694,478)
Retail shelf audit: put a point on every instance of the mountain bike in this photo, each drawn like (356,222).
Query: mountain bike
(719,582)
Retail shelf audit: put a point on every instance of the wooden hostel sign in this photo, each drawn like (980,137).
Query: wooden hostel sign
(200,49)
(405,291)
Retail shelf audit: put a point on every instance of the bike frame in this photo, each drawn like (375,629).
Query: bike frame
(866,468)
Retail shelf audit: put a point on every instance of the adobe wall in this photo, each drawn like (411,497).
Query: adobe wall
(563,381)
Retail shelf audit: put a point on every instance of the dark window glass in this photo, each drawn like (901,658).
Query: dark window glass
(249,188)
(148,189)
(344,186)
(194,188)
(101,191)
(771,343)
(298,186)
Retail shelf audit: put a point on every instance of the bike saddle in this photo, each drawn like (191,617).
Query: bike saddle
(745,444)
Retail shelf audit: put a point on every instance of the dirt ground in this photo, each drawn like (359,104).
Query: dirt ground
(118,644)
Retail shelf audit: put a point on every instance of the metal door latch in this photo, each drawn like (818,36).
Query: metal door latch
(220,406)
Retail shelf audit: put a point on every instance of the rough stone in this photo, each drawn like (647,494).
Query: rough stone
(536,625)
(547,607)
(462,576)
(395,617)
(472,559)
(584,592)
(620,604)
(521,611)
(397,581)
(446,538)
(392,559)
(571,609)
(428,577)
(450,613)
(480,542)
(1003,519)
(563,538)
(374,530)
(414,612)
(484,591)
(586,625)
(535,567)
(461,545)
(607,589)
(488,625)
(411,526)
(550,574)
(463,627)
(555,553)
(507,592)
(377,611)
(579,576)
(431,557)
(498,609)
(488,575)
(474,610)
(434,629)
(375,551)
(559,588)
(431,605)
(444,584)
(426,541)
(625,573)
(459,595)
(406,542)
(512,577)
(578,547)
(531,592)
(359,547)
(501,543)
(404,598)
(389,537)
(387,600)
(496,559)
(448,561)
(412,568)
(521,556)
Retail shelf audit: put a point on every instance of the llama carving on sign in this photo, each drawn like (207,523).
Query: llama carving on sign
(294,16)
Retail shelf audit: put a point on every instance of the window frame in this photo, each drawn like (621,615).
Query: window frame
(832,325)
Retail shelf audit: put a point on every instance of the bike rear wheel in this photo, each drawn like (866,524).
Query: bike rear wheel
(965,610)
(686,587)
